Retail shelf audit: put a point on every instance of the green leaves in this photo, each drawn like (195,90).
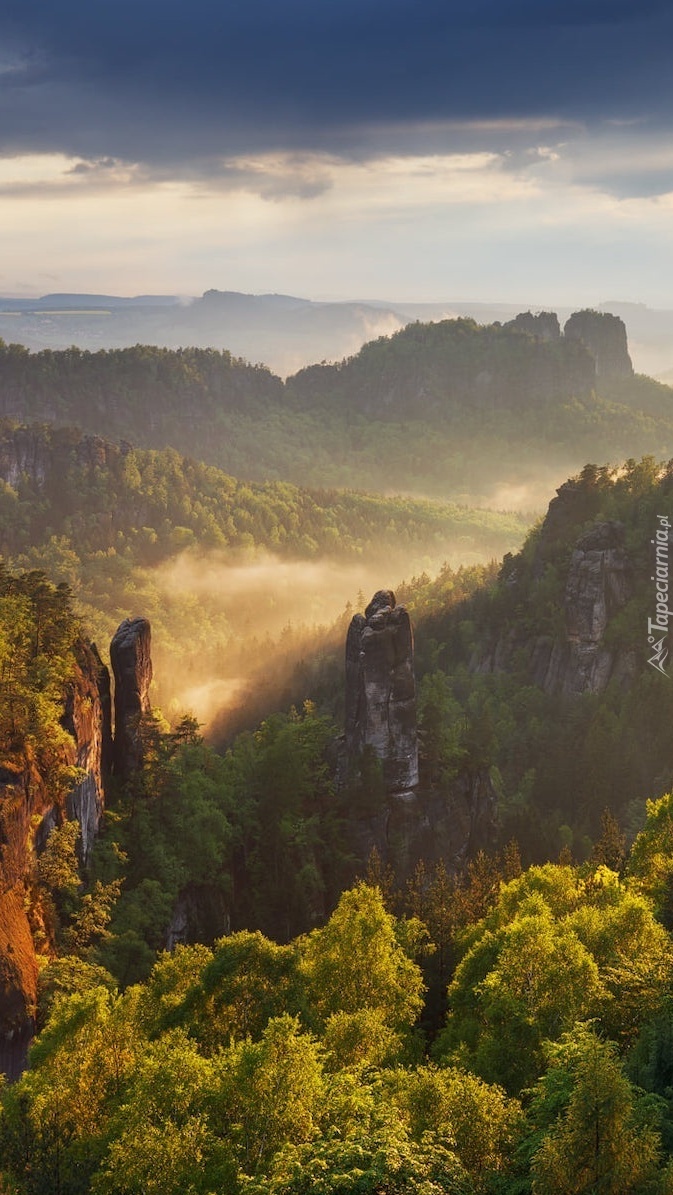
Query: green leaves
(355,962)
(596,1141)
(556,948)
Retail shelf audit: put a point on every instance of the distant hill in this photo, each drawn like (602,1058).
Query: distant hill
(284,332)
(486,415)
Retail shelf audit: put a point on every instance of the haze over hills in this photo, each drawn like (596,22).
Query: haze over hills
(284,332)
(481,414)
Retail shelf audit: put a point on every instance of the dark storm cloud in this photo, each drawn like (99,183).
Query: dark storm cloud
(171,82)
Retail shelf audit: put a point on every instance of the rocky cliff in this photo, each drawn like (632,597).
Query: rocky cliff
(381,691)
(597,582)
(604,336)
(29,810)
(88,718)
(408,821)
(132,667)
(544,326)
(28,452)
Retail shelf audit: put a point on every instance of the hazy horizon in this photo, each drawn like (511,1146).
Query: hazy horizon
(508,150)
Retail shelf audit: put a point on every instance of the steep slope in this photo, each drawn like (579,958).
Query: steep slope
(560,670)
(55,744)
(451,408)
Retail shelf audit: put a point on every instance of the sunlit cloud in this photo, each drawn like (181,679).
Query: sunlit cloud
(549,214)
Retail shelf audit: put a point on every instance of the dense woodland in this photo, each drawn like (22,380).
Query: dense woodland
(506,1029)
(502,1027)
(556,763)
(452,410)
(216,564)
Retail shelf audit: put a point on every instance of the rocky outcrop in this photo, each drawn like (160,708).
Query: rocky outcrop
(381,691)
(18,982)
(132,668)
(23,453)
(31,451)
(88,718)
(29,810)
(598,584)
(604,336)
(408,821)
(543,326)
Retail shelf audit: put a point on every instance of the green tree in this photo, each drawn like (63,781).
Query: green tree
(55,1119)
(598,1142)
(246,982)
(270,1092)
(475,1119)
(356,962)
(162,1139)
(515,988)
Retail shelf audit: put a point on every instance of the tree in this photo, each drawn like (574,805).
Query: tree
(475,1119)
(514,989)
(356,962)
(651,857)
(163,1142)
(610,849)
(246,982)
(270,1092)
(598,1144)
(55,1119)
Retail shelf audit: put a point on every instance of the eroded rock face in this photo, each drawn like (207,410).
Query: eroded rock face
(132,668)
(544,325)
(599,583)
(604,335)
(88,717)
(28,452)
(22,452)
(381,691)
(18,982)
(28,813)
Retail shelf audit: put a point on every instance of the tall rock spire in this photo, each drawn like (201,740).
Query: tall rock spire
(132,667)
(381,691)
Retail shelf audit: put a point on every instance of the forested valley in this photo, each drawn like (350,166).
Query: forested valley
(485,415)
(251,977)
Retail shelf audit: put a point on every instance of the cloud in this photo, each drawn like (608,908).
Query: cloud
(418,148)
(155,83)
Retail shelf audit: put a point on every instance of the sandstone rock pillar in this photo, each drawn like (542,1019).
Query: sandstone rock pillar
(132,668)
(381,691)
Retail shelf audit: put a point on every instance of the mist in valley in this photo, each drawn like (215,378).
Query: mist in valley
(232,633)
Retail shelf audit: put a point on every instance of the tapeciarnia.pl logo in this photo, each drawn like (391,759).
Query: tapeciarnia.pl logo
(657,627)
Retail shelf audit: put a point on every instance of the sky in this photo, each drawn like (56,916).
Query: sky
(425,150)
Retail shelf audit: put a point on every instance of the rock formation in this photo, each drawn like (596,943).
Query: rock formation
(544,325)
(28,812)
(598,583)
(88,718)
(32,452)
(381,691)
(410,821)
(132,668)
(604,335)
